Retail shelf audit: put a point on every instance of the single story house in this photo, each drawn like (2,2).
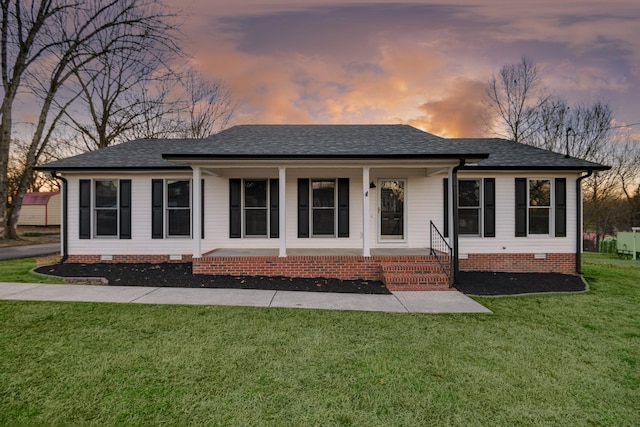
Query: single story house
(387,202)
(40,208)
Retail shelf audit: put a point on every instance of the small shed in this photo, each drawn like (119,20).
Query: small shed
(40,209)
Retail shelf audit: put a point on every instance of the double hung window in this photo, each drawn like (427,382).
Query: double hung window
(255,207)
(539,206)
(469,207)
(323,209)
(178,208)
(106,208)
(476,207)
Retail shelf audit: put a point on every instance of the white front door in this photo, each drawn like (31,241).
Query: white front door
(391,210)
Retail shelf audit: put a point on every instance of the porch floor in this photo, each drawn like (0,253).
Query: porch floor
(241,252)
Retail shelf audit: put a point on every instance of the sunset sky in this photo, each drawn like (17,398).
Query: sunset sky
(422,63)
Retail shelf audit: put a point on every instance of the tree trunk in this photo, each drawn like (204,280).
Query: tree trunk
(5,144)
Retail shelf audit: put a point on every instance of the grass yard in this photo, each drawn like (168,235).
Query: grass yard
(33,235)
(564,359)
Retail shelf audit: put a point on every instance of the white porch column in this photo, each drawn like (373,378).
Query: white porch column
(196,209)
(282,211)
(366,249)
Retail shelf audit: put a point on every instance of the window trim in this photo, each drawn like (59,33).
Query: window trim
(266,208)
(94,209)
(550,209)
(167,208)
(313,208)
(479,208)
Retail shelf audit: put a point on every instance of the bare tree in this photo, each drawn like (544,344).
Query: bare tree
(208,105)
(44,44)
(114,90)
(626,167)
(17,166)
(516,96)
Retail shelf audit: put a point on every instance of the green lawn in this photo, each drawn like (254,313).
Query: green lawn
(19,271)
(565,359)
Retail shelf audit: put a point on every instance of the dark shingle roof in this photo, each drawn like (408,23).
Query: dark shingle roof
(319,141)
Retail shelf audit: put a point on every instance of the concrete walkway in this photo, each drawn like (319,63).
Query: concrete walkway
(28,251)
(398,302)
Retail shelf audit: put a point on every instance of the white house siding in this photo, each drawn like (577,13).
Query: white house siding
(424,196)
(217,210)
(505,240)
(141,241)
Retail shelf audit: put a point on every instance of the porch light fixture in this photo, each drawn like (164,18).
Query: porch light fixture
(372,185)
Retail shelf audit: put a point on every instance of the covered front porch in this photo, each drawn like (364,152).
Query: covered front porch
(295,208)
(399,268)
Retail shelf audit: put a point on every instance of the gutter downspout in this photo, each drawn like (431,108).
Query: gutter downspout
(454,195)
(579,221)
(65,251)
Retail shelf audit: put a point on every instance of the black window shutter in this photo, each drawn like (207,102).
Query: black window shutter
(202,209)
(343,207)
(561,207)
(445,192)
(125,209)
(85,209)
(521,207)
(235,208)
(157,207)
(303,207)
(489,207)
(274,207)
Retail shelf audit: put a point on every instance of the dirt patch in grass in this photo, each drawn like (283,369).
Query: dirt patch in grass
(179,275)
(487,283)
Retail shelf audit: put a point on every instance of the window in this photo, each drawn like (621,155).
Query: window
(476,207)
(106,208)
(255,207)
(178,208)
(323,209)
(469,207)
(539,206)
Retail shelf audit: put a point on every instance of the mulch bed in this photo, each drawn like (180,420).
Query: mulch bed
(179,275)
(483,283)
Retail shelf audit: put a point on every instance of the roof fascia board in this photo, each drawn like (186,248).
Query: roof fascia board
(284,157)
(536,168)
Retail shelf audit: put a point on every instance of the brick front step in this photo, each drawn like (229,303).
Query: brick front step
(426,275)
(415,279)
(419,287)
(411,267)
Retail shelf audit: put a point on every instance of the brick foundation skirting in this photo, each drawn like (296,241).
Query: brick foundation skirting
(339,267)
(520,263)
(154,259)
(344,267)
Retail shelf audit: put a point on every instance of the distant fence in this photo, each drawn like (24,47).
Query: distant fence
(608,245)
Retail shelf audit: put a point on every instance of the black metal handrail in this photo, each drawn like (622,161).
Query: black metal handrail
(440,248)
